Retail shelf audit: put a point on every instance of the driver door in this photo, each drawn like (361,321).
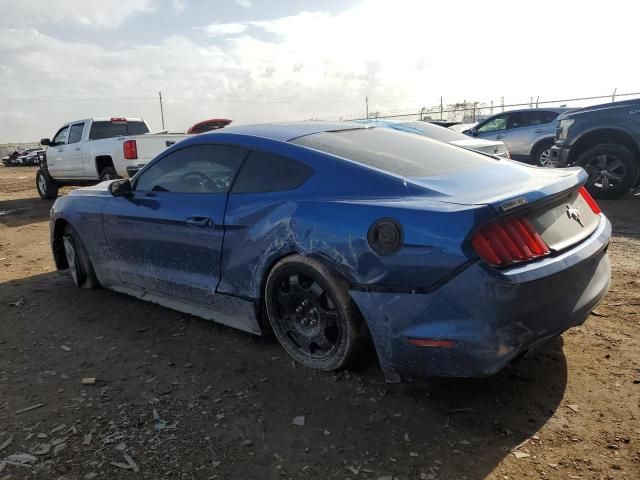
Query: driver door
(167,237)
(56,151)
(495,128)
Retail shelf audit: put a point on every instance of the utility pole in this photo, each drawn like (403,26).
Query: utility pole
(366,105)
(441,110)
(613,96)
(161,109)
(502,103)
(491,107)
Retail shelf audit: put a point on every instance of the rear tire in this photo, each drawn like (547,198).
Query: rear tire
(47,187)
(613,170)
(541,155)
(108,173)
(312,314)
(80,266)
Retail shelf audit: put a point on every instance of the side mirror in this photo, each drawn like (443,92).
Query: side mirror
(121,188)
(45,142)
(473,132)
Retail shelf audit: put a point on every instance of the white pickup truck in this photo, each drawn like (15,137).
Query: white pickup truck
(97,149)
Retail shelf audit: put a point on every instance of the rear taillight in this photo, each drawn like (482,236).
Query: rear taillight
(590,201)
(511,241)
(130,149)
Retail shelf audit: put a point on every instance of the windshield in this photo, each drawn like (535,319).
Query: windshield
(404,154)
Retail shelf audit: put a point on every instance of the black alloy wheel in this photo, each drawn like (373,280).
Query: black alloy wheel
(311,313)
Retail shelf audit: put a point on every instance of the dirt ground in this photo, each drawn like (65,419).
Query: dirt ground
(226,401)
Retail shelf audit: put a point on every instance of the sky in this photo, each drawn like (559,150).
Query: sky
(260,61)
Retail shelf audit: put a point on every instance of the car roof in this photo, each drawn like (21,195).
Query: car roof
(285,132)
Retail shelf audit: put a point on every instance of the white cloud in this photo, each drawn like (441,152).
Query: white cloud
(404,54)
(244,3)
(224,29)
(89,13)
(179,5)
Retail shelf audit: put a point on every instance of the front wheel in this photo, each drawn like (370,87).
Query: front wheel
(541,156)
(47,186)
(312,314)
(613,170)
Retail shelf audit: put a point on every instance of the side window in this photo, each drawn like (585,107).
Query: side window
(75,134)
(61,137)
(520,119)
(541,117)
(194,169)
(266,172)
(493,125)
(550,116)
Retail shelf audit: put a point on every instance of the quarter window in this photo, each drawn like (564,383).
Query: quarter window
(194,169)
(266,172)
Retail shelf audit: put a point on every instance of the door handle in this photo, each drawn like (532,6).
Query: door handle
(77,148)
(60,150)
(498,137)
(200,222)
(539,131)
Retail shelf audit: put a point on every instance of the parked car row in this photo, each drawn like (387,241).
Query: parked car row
(603,139)
(26,158)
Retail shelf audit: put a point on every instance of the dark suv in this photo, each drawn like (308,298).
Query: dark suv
(605,141)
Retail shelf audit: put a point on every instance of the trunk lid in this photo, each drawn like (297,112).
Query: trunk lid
(549,198)
(503,184)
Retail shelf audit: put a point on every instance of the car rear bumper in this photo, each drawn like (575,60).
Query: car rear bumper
(493,317)
(560,154)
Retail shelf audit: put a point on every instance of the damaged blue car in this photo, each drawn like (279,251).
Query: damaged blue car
(335,235)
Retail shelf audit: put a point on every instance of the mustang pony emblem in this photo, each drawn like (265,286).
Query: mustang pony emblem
(574,214)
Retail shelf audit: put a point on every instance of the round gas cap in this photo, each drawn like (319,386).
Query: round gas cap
(385,236)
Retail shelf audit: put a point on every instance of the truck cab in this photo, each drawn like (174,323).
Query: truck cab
(69,153)
(84,152)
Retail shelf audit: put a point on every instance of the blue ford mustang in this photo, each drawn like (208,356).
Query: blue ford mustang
(334,235)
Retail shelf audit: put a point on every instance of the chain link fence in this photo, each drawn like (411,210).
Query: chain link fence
(473,112)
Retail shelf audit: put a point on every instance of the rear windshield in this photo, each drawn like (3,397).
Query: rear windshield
(107,129)
(404,154)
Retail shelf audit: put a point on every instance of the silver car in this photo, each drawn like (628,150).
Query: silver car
(442,134)
(529,134)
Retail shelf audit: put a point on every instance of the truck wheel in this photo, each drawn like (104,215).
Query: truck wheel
(613,170)
(47,186)
(108,173)
(541,156)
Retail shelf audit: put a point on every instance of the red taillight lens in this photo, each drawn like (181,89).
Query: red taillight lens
(130,149)
(510,241)
(431,342)
(590,201)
